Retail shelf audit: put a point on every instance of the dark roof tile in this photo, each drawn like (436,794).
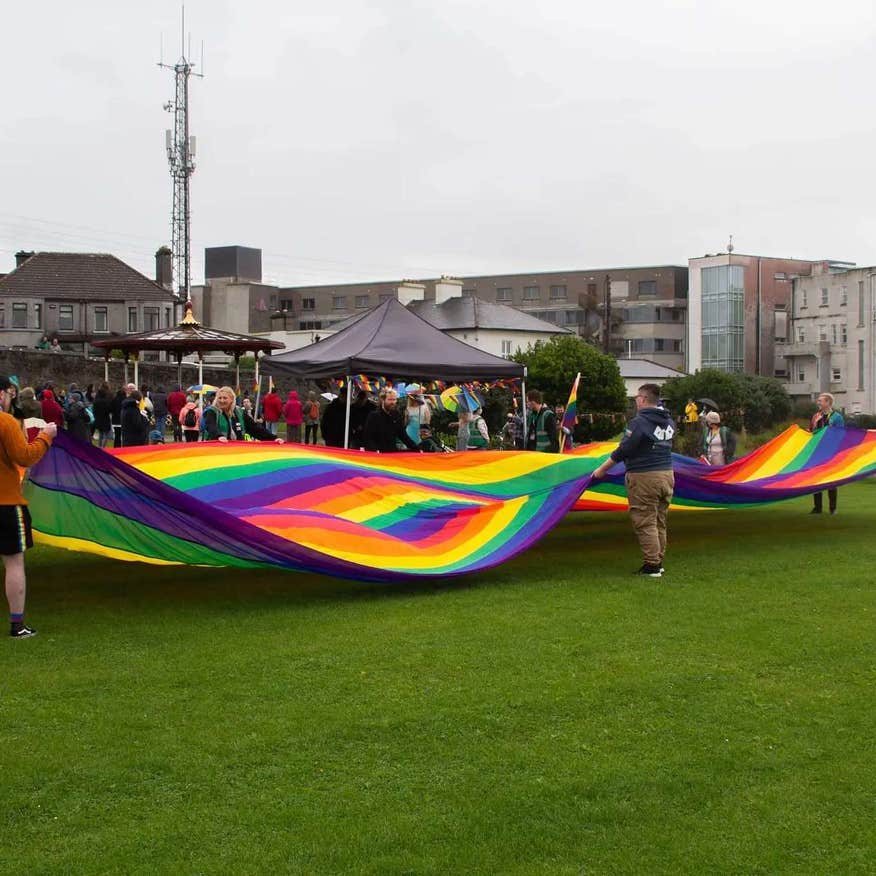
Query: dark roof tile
(74,275)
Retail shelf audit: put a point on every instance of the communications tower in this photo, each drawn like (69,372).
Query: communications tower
(180,156)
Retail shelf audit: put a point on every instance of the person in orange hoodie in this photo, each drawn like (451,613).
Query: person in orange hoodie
(293,415)
(15,530)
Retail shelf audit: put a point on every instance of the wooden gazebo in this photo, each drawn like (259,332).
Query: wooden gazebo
(186,339)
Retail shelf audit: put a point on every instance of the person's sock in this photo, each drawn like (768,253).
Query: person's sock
(16,622)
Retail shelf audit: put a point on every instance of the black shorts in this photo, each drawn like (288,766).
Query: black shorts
(16,535)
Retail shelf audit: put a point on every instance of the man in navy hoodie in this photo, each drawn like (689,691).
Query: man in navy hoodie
(646,450)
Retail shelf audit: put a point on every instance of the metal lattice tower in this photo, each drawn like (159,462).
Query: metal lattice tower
(180,156)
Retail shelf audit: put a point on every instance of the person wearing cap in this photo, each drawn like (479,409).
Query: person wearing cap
(417,413)
(825,418)
(508,434)
(15,528)
(646,450)
(719,443)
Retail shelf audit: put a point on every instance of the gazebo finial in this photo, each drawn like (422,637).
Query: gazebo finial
(189,318)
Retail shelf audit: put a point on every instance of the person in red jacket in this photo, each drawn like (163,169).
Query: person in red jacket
(176,401)
(272,407)
(52,411)
(293,416)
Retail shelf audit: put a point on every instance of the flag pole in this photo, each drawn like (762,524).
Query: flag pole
(347,419)
(570,415)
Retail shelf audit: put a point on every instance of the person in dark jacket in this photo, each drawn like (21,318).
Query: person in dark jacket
(646,450)
(224,421)
(333,420)
(102,416)
(542,427)
(159,408)
(80,424)
(135,425)
(385,426)
(116,417)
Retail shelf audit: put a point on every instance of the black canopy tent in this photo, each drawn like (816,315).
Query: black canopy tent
(392,340)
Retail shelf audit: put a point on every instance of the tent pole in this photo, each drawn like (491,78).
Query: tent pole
(201,382)
(137,372)
(106,368)
(523,403)
(347,420)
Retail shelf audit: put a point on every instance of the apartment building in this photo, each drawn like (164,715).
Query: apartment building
(738,308)
(831,339)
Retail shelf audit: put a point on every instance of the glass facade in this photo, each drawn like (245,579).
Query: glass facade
(723,318)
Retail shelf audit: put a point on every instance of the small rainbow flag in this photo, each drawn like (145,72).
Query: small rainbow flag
(570,417)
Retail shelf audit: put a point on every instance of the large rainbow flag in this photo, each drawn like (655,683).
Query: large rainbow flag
(371,516)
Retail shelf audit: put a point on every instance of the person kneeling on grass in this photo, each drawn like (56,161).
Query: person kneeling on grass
(224,421)
(15,531)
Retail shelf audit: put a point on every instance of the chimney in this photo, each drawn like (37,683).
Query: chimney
(164,267)
(21,257)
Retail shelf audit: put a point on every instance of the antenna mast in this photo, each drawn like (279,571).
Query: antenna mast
(180,156)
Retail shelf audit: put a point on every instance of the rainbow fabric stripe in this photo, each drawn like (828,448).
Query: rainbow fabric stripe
(375,517)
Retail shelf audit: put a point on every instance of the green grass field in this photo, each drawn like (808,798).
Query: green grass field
(555,715)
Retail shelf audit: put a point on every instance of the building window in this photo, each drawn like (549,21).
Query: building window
(804,298)
(723,318)
(339,302)
(100,319)
(833,333)
(2,317)
(132,319)
(558,293)
(531,293)
(306,304)
(503,294)
(648,288)
(860,302)
(574,317)
(469,293)
(836,375)
(844,334)
(19,316)
(591,289)
(844,296)
(38,316)
(506,349)
(801,376)
(65,317)
(824,298)
(822,332)
(801,334)
(780,372)
(659,345)
(363,301)
(309,324)
(151,319)
(168,316)
(861,364)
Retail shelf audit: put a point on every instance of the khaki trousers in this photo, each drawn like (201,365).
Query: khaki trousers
(649,494)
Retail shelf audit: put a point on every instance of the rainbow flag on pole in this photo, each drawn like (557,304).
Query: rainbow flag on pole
(570,417)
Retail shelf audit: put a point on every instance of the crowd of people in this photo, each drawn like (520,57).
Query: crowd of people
(132,416)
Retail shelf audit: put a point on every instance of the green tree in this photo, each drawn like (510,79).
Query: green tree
(552,366)
(742,399)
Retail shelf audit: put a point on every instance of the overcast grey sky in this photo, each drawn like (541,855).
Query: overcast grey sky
(354,140)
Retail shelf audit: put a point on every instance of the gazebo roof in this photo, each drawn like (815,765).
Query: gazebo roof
(186,338)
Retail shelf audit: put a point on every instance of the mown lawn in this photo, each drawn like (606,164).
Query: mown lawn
(555,715)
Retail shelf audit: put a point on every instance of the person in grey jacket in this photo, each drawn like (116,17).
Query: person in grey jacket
(646,450)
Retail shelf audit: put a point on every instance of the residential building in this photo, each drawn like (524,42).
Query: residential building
(78,296)
(646,306)
(738,311)
(493,328)
(831,340)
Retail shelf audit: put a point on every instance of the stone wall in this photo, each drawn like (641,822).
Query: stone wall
(35,367)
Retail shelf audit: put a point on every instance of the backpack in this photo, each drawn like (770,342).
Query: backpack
(190,420)
(314,411)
